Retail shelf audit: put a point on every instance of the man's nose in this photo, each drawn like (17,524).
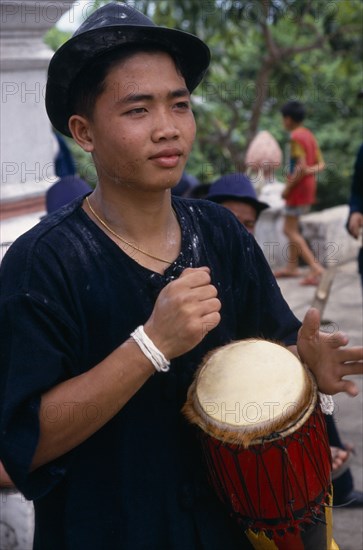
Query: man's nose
(164,126)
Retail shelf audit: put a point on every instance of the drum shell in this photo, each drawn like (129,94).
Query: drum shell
(277,483)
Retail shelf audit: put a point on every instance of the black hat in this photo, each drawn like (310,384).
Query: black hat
(236,187)
(109,27)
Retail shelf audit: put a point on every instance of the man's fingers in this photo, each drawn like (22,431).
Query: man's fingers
(195,277)
(340,385)
(357,353)
(349,387)
(350,354)
(205,292)
(336,340)
(210,306)
(311,324)
(190,270)
(210,321)
(352,367)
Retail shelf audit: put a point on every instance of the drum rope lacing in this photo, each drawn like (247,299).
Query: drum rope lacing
(290,518)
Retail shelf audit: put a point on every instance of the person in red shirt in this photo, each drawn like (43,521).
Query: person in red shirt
(306,161)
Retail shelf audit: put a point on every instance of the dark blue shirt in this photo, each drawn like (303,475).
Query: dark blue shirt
(70,296)
(356,196)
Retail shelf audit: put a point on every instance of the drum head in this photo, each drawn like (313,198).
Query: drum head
(250,391)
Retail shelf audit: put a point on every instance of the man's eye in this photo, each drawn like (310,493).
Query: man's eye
(136,111)
(182,105)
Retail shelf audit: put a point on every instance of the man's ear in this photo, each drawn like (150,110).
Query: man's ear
(80,129)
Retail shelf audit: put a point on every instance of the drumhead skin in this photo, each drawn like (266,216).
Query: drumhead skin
(249,391)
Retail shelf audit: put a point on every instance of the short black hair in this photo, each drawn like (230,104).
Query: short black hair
(294,109)
(90,82)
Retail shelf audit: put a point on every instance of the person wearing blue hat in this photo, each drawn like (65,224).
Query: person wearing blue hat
(64,190)
(185,186)
(236,192)
(109,304)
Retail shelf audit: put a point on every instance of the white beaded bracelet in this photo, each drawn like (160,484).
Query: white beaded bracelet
(326,403)
(149,349)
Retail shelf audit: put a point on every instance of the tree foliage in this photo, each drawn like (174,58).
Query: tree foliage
(264,53)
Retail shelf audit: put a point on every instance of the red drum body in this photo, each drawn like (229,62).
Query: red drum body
(277,487)
(265,444)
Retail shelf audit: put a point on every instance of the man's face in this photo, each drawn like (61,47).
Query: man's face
(244,212)
(142,128)
(288,123)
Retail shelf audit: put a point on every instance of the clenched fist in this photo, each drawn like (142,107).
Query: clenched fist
(185,310)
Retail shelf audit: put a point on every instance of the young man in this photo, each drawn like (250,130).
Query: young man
(305,162)
(236,193)
(90,417)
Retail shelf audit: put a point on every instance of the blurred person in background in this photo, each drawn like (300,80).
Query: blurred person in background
(306,161)
(236,192)
(69,186)
(355,219)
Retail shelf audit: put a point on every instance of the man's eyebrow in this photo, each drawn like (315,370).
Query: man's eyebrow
(134,98)
(181,92)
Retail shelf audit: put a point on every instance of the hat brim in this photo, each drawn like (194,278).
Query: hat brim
(79,51)
(258,205)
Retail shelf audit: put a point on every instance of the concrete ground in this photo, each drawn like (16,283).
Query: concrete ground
(342,312)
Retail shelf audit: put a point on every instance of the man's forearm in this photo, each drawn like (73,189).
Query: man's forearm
(89,401)
(315,169)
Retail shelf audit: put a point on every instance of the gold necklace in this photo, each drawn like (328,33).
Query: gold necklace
(122,239)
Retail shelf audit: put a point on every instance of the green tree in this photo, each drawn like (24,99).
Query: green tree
(55,37)
(264,53)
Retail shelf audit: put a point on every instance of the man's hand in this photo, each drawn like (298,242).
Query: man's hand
(355,224)
(5,481)
(324,355)
(185,311)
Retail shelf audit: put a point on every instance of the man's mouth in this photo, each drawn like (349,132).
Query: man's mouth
(167,158)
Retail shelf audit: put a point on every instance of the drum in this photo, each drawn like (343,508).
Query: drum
(265,443)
